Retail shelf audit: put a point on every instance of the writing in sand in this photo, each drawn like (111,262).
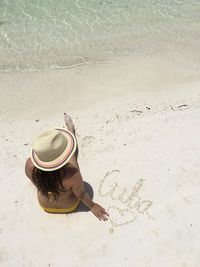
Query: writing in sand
(126,204)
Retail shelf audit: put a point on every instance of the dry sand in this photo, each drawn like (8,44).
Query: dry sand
(139,149)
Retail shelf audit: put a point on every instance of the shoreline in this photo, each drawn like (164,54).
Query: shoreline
(29,95)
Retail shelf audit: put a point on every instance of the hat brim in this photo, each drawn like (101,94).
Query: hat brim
(62,159)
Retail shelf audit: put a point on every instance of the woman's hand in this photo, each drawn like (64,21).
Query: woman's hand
(99,212)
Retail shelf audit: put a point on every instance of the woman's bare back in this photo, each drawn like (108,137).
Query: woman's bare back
(65,199)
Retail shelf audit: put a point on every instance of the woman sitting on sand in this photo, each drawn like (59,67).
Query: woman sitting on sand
(54,170)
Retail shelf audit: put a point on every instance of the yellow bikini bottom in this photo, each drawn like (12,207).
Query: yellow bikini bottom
(57,210)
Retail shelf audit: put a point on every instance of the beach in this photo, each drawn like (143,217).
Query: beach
(128,74)
(138,137)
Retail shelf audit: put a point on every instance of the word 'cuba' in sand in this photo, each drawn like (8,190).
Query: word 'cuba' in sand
(131,200)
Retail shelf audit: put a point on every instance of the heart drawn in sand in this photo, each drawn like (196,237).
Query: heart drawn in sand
(119,217)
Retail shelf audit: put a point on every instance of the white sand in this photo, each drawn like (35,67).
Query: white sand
(152,153)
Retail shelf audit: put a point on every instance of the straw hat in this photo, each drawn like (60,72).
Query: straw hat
(53,149)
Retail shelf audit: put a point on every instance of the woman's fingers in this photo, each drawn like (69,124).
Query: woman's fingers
(104,211)
(100,216)
(100,212)
(103,216)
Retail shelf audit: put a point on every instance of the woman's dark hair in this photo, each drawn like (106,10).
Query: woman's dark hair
(51,182)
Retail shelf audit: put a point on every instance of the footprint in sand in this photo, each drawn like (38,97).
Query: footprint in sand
(182,107)
(87,140)
(133,113)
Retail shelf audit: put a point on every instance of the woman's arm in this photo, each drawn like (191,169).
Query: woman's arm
(29,169)
(79,191)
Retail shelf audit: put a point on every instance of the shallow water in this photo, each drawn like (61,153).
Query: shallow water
(47,34)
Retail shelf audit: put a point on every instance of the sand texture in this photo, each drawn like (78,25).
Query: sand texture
(140,153)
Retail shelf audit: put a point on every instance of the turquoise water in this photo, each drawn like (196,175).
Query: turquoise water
(47,34)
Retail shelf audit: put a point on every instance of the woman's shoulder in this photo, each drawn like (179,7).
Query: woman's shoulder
(29,168)
(70,169)
(70,173)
